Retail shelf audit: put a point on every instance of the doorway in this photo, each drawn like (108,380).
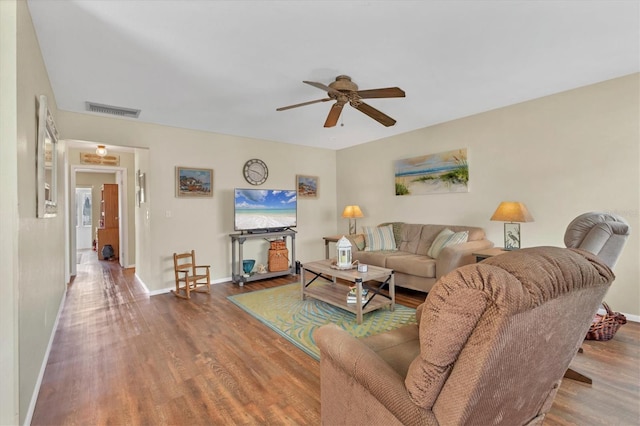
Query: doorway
(119,176)
(84,218)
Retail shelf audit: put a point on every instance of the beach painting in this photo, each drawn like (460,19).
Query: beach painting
(192,182)
(307,186)
(440,173)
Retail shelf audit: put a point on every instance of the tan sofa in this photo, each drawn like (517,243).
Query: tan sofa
(413,268)
(492,343)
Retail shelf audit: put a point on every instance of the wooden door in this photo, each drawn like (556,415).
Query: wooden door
(110,205)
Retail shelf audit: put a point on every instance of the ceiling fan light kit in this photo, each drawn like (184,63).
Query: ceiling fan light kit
(344,91)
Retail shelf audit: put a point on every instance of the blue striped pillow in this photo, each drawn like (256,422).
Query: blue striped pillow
(379,238)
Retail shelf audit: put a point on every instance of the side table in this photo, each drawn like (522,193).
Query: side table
(487,253)
(327,240)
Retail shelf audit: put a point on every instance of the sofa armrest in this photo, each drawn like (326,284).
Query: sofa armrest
(352,239)
(452,257)
(345,359)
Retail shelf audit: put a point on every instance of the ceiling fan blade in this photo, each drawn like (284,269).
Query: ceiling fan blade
(334,114)
(387,92)
(303,104)
(379,116)
(323,87)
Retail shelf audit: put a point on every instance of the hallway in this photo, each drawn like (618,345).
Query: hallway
(121,357)
(103,311)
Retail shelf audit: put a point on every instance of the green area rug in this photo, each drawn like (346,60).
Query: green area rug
(281,309)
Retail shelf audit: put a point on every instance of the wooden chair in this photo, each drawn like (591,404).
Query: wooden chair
(187,277)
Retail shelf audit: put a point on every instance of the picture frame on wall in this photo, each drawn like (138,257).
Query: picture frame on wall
(194,182)
(307,186)
(439,173)
(46,162)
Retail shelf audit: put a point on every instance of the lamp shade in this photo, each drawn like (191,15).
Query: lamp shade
(512,211)
(352,212)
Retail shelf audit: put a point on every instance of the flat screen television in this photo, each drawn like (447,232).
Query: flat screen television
(264,210)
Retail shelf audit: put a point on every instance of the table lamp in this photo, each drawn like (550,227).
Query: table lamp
(512,211)
(352,212)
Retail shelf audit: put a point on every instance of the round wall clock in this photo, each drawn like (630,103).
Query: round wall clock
(255,171)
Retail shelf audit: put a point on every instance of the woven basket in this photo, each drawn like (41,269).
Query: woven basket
(277,245)
(278,260)
(604,327)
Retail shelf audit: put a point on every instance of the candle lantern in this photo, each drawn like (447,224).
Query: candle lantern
(343,246)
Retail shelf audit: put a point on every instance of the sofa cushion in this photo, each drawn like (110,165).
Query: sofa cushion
(375,258)
(397,348)
(413,264)
(379,238)
(410,237)
(475,234)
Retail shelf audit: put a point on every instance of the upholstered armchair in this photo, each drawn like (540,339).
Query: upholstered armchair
(490,346)
(603,234)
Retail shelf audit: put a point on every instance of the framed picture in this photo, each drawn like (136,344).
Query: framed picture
(192,182)
(307,186)
(444,172)
(511,236)
(46,162)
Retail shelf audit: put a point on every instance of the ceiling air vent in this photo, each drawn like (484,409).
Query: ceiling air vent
(113,110)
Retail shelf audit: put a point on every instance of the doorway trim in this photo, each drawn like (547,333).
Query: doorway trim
(123,210)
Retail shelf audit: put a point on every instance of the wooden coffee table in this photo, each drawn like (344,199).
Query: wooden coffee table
(318,281)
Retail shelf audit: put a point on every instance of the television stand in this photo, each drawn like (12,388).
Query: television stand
(237,245)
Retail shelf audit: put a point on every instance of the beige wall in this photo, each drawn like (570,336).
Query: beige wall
(36,285)
(561,155)
(167,224)
(9,284)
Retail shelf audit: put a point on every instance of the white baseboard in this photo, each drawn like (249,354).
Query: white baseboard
(168,289)
(142,282)
(630,317)
(43,367)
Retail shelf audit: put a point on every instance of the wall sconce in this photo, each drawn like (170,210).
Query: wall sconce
(352,212)
(512,211)
(343,246)
(101,150)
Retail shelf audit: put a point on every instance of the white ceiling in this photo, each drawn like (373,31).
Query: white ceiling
(225,66)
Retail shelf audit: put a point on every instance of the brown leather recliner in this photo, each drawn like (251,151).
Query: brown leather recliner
(491,345)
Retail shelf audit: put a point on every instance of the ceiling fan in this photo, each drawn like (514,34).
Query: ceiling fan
(343,91)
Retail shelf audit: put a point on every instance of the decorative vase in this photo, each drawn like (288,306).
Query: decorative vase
(247,265)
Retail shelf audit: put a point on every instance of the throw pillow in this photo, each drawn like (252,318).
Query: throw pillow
(379,238)
(397,231)
(445,238)
(357,240)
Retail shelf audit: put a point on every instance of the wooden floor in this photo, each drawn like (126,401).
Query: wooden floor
(121,357)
